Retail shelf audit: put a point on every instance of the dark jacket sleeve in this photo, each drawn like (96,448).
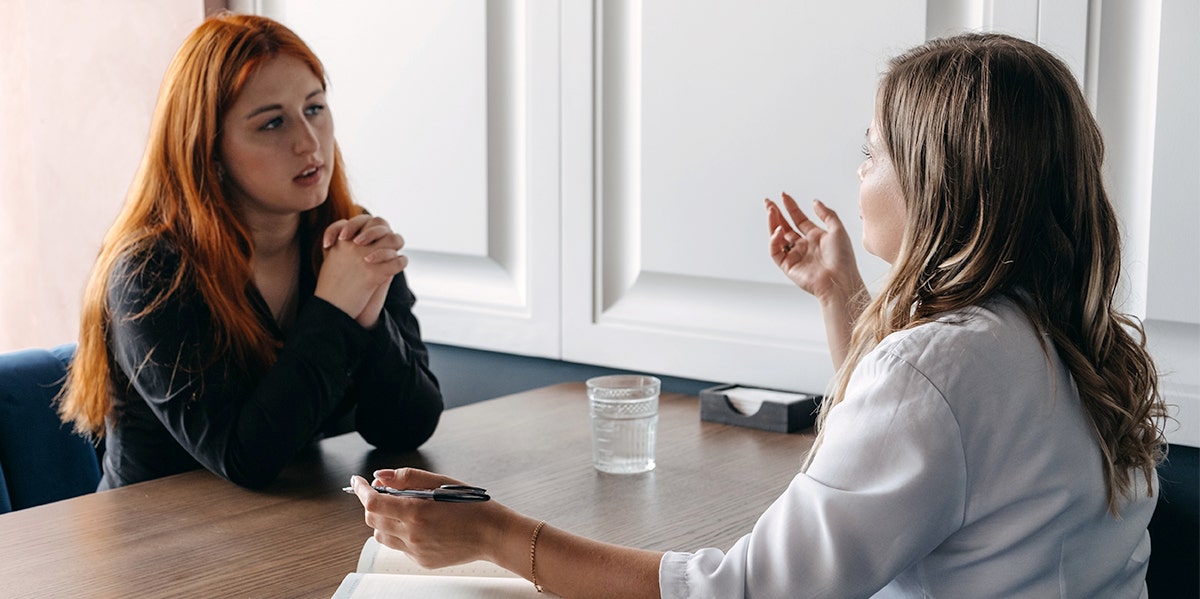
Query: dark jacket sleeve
(241,422)
(396,394)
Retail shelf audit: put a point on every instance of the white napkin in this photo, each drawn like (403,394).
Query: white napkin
(748,400)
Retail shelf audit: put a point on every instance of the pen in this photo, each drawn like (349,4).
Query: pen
(450,493)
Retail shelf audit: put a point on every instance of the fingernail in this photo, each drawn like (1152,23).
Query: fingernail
(381,473)
(360,239)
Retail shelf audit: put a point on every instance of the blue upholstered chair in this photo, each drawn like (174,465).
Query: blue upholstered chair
(41,459)
(1175,528)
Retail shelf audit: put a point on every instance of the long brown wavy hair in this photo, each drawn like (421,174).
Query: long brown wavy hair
(999,159)
(177,196)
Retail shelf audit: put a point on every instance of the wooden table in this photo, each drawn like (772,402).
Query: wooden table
(196,535)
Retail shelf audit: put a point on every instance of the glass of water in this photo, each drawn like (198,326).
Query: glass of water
(624,410)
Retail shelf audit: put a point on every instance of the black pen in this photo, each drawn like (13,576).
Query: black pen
(450,493)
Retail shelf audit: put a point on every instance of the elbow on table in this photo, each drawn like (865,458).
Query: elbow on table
(403,429)
(251,483)
(255,481)
(401,436)
(251,474)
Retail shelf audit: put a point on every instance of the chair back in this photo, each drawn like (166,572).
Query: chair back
(1174,569)
(41,459)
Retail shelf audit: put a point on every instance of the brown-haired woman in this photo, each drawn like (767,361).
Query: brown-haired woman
(242,302)
(995,424)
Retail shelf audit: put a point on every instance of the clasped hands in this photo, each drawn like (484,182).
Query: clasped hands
(362,255)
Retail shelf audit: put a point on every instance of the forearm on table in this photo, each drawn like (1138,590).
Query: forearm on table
(398,397)
(569,565)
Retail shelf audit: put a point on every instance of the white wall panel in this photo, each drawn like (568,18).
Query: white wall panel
(1127,92)
(1015,17)
(1173,277)
(1059,25)
(701,111)
(1062,28)
(1173,292)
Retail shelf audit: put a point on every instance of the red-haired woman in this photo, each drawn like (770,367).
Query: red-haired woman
(242,302)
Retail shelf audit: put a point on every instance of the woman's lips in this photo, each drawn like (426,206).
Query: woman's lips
(310,176)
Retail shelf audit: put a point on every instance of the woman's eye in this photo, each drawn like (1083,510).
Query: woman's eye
(314,109)
(866,150)
(272,124)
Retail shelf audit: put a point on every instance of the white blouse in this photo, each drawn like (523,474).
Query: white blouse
(960,464)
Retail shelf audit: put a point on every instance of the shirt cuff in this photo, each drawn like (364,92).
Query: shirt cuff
(672,574)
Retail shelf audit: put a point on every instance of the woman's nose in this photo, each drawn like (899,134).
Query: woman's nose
(306,141)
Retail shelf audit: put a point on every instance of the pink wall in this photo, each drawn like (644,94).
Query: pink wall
(79,81)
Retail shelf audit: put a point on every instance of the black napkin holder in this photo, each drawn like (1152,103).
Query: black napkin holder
(773,416)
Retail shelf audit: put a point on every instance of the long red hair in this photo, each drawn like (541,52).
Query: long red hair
(177,196)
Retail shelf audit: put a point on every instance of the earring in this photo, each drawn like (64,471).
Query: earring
(220,172)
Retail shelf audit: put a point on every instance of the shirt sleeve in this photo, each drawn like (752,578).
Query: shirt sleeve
(241,422)
(397,396)
(886,486)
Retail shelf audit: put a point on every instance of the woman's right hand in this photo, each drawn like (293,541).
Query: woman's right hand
(819,261)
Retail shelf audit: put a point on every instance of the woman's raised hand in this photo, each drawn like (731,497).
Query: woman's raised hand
(819,261)
(362,254)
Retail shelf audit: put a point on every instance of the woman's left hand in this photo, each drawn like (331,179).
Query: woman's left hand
(436,534)
(819,261)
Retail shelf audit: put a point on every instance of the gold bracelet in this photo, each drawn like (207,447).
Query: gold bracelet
(533,555)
